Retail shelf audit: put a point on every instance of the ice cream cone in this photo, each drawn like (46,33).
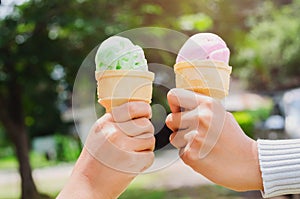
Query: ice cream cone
(116,87)
(208,77)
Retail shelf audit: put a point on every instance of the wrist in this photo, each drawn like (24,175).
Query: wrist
(257,179)
(105,180)
(95,179)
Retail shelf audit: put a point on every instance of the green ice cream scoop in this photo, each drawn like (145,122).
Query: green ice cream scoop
(119,53)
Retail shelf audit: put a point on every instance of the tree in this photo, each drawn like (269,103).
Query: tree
(42,37)
(37,38)
(269,57)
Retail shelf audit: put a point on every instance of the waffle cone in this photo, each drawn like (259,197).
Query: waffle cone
(116,87)
(207,77)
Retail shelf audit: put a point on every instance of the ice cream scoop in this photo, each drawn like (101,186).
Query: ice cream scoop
(204,46)
(122,73)
(202,65)
(119,53)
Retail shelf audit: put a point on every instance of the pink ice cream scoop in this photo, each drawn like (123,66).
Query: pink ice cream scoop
(203,46)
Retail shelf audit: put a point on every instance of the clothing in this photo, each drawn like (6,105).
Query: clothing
(280,166)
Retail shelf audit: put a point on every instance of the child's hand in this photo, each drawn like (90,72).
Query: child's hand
(119,146)
(124,139)
(211,141)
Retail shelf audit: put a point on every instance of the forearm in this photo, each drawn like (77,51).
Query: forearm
(92,179)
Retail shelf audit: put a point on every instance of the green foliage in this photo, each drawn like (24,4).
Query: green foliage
(3,137)
(37,160)
(199,22)
(269,57)
(247,119)
(41,35)
(246,122)
(6,151)
(67,148)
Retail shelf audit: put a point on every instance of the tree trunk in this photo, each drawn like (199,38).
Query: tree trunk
(11,116)
(20,140)
(18,135)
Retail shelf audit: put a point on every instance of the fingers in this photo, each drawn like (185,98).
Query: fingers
(124,139)
(207,119)
(134,135)
(136,128)
(132,144)
(183,120)
(98,125)
(131,110)
(143,144)
(120,153)
(188,100)
(177,139)
(174,121)
(182,124)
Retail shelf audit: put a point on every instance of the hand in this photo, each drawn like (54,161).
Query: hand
(124,139)
(211,141)
(119,146)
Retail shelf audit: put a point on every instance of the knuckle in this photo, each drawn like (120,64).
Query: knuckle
(173,142)
(205,118)
(150,159)
(209,102)
(144,121)
(186,157)
(131,109)
(190,156)
(208,116)
(112,137)
(111,132)
(152,141)
(148,109)
(169,120)
(146,124)
(151,127)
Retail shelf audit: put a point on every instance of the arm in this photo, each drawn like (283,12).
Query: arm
(211,141)
(119,146)
(280,166)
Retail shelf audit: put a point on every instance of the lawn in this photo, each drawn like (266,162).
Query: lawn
(199,192)
(50,178)
(51,186)
(37,160)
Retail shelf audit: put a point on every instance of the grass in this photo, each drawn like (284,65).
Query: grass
(37,160)
(11,189)
(200,192)
(9,162)
(139,188)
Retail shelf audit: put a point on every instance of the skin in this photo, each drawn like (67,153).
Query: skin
(119,146)
(211,142)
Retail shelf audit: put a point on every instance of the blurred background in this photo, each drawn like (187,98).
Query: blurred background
(43,43)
